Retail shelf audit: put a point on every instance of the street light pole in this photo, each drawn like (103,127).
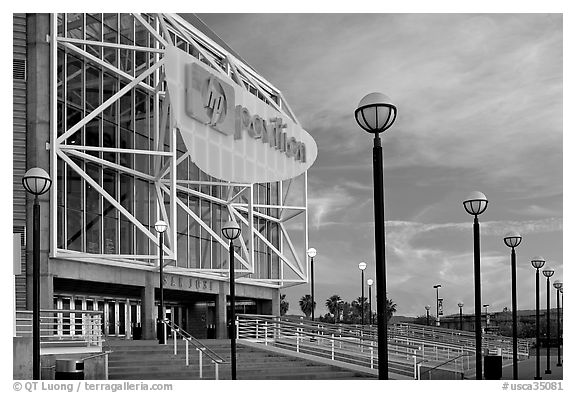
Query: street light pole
(548,272)
(36,182)
(537,263)
(312,253)
(370,282)
(512,240)
(460,305)
(427,315)
(475,205)
(161,227)
(375,114)
(231,230)
(558,285)
(486,312)
(362,267)
(437,305)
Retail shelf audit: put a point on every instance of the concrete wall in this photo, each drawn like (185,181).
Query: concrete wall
(22,357)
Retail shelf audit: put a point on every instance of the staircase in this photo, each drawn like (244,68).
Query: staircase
(146,360)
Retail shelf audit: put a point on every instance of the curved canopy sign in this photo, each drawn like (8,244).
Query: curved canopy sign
(230,133)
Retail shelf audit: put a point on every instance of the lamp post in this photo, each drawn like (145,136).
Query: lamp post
(427,307)
(231,230)
(558,285)
(338,304)
(486,312)
(437,305)
(537,263)
(512,240)
(362,267)
(370,282)
(460,305)
(312,253)
(36,182)
(161,227)
(375,114)
(475,205)
(548,272)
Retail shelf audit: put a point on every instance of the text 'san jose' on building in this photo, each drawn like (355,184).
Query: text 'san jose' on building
(146,117)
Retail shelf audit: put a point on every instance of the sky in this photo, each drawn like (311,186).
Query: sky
(480,108)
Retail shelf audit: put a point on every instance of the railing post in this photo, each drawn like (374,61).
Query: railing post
(257,332)
(297,341)
(175,341)
(200,362)
(187,361)
(216,370)
(265,333)
(372,356)
(237,325)
(165,331)
(332,346)
(419,375)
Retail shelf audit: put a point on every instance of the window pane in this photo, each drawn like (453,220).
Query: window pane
(93,231)
(92,195)
(75,25)
(126,109)
(109,186)
(93,76)
(126,192)
(110,88)
(74,230)
(109,133)
(126,29)
(74,80)
(74,187)
(110,229)
(126,237)
(182,250)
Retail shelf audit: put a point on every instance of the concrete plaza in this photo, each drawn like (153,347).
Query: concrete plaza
(527,368)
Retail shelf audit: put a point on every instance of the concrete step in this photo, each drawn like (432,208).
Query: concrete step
(149,360)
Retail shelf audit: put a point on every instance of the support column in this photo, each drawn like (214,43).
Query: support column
(276,302)
(220,311)
(147,309)
(37,135)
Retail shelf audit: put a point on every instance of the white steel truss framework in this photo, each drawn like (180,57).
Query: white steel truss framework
(236,198)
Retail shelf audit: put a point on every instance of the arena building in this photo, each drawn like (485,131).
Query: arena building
(146,117)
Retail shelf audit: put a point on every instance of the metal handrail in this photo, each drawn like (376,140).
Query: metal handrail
(84,327)
(316,340)
(462,337)
(202,349)
(429,371)
(319,329)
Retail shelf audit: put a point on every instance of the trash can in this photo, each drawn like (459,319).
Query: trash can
(69,369)
(137,332)
(492,367)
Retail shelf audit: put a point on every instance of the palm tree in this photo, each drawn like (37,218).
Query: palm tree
(284,305)
(332,304)
(306,305)
(390,309)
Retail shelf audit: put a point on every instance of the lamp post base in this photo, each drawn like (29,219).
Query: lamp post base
(558,364)
(537,378)
(547,371)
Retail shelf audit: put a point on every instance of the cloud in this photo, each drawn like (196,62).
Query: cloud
(330,202)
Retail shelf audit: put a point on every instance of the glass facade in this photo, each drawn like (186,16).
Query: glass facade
(87,219)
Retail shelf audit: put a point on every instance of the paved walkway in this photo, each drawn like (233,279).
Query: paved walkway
(527,368)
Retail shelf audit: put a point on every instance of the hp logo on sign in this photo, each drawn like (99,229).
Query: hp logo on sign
(214,102)
(209,99)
